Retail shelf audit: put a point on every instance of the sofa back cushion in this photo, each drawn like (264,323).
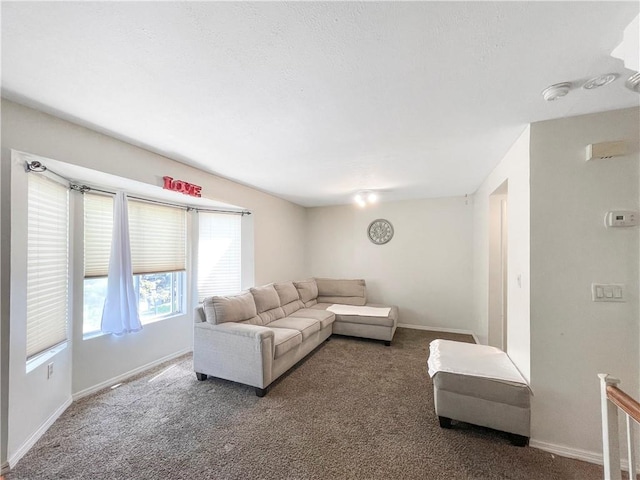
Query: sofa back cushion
(289,298)
(233,308)
(308,291)
(346,292)
(267,303)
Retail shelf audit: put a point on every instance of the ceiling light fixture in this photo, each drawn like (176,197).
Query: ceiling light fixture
(601,81)
(554,92)
(633,82)
(365,197)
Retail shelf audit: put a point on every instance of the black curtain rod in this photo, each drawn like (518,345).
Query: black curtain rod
(38,167)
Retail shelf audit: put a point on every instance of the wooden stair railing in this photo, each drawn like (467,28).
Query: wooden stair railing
(612,400)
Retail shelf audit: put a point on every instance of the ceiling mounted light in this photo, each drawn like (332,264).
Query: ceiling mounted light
(365,197)
(601,81)
(554,92)
(633,82)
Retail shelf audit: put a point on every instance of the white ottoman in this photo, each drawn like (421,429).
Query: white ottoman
(479,384)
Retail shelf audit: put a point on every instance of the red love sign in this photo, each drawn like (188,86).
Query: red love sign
(182,187)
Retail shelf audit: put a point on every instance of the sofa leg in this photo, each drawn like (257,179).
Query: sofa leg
(328,338)
(261,392)
(201,376)
(387,343)
(444,422)
(518,440)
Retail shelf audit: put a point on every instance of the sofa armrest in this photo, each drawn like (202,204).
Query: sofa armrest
(235,351)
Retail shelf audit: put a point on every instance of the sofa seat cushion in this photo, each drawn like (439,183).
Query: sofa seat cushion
(388,321)
(306,326)
(323,316)
(284,340)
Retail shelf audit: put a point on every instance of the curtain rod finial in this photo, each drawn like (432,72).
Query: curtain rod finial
(35,166)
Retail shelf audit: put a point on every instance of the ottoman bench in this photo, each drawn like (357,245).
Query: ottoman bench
(480,385)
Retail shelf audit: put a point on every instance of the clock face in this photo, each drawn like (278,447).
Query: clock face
(380,231)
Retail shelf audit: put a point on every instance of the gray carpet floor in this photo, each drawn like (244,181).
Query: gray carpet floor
(353,409)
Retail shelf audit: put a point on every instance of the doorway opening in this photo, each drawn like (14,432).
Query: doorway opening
(498,266)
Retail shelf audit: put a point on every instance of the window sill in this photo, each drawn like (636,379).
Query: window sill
(90,335)
(44,357)
(159,319)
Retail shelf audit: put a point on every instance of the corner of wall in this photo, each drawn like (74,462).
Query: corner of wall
(514,168)
(5,235)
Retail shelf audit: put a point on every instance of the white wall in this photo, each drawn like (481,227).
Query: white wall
(279,247)
(514,168)
(573,338)
(32,398)
(5,259)
(425,269)
(498,266)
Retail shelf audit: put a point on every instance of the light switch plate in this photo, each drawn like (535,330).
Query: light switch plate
(608,292)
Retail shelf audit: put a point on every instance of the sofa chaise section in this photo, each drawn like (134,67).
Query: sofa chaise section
(354,292)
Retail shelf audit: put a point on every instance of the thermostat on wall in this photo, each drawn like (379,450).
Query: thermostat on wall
(621,218)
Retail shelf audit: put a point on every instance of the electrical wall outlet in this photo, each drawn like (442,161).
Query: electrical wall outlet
(49,370)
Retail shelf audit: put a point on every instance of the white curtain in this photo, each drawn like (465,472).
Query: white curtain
(120,313)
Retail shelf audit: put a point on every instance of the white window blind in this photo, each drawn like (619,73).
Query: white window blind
(158,237)
(219,254)
(47,263)
(98,225)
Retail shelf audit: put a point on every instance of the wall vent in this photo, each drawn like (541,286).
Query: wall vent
(606,150)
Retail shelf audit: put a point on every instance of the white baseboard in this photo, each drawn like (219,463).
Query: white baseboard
(439,329)
(26,446)
(577,453)
(120,378)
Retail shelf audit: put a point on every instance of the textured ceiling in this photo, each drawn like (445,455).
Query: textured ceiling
(314,101)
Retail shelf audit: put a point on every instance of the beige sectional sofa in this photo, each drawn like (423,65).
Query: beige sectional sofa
(256,336)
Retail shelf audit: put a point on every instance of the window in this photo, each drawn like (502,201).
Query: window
(158,255)
(159,294)
(158,237)
(47,264)
(219,254)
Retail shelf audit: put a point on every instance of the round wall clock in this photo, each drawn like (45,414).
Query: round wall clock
(380,231)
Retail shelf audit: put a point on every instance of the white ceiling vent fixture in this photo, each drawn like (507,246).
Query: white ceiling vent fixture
(605,150)
(633,82)
(601,81)
(556,91)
